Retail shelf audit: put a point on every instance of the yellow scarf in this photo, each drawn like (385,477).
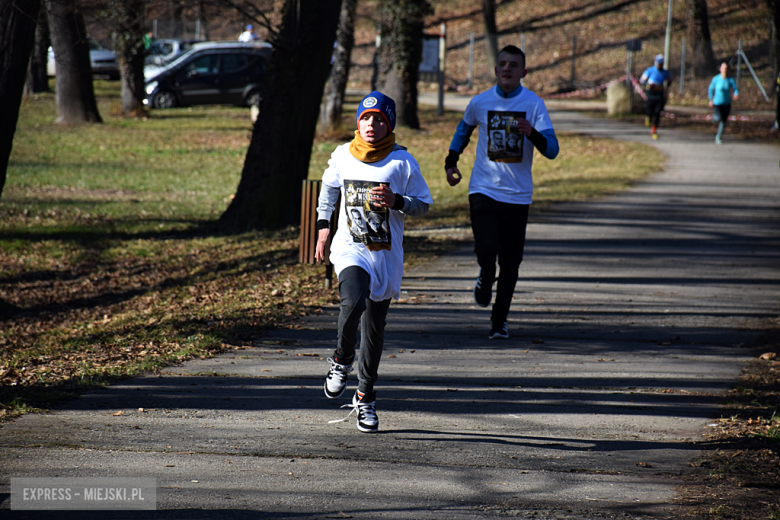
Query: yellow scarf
(371,152)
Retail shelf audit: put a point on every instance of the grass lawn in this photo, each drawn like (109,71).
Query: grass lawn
(110,264)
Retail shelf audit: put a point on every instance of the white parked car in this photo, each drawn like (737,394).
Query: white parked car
(164,51)
(103,61)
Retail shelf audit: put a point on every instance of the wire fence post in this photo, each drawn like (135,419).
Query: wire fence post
(739,62)
(573,59)
(442,50)
(682,66)
(668,38)
(471,60)
(522,48)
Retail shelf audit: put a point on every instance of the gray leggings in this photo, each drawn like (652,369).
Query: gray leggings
(356,307)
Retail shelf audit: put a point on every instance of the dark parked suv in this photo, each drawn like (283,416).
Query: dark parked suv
(211,73)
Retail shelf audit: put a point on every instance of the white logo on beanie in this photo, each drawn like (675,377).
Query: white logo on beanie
(369,102)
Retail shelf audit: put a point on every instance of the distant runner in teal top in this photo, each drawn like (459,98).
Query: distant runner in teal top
(720,98)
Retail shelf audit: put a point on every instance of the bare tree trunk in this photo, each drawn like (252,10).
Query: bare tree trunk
(774,43)
(37,80)
(269,193)
(75,93)
(491,32)
(332,101)
(17,36)
(774,16)
(399,54)
(128,19)
(699,37)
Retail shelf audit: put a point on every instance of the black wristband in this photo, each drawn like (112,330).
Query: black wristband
(452,160)
(323,224)
(399,203)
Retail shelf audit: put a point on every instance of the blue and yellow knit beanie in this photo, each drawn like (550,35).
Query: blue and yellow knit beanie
(378,102)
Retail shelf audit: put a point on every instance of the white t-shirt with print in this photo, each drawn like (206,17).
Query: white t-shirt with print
(508,181)
(401,171)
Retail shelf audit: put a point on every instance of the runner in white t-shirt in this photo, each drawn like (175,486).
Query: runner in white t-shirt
(248,35)
(379,183)
(512,122)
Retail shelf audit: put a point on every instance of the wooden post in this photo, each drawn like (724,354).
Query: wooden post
(309,234)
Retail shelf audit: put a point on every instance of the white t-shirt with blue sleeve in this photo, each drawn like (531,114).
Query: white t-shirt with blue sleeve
(502,169)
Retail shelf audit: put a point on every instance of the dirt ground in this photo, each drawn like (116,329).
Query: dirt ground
(738,474)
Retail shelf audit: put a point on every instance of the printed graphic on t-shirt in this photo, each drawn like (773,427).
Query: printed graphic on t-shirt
(505,141)
(368,223)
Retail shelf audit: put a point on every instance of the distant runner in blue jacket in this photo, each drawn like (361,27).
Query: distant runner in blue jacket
(720,98)
(656,81)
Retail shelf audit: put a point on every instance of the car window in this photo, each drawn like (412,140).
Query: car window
(233,62)
(95,46)
(160,48)
(258,66)
(202,66)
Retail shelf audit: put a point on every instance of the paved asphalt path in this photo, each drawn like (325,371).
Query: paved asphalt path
(630,313)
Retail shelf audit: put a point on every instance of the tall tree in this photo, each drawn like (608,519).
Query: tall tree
(127,19)
(699,37)
(37,80)
(17,36)
(774,20)
(491,33)
(399,54)
(269,192)
(332,101)
(75,93)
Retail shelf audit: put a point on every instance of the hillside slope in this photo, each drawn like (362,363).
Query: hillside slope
(601,28)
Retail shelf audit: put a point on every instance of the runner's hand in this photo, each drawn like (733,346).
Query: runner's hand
(453,176)
(322,239)
(524,126)
(382,196)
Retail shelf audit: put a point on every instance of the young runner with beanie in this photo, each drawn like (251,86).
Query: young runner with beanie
(379,181)
(501,185)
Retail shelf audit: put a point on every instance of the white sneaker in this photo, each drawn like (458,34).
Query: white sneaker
(367,420)
(336,380)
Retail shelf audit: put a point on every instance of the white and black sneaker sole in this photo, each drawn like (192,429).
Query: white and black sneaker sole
(331,395)
(368,429)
